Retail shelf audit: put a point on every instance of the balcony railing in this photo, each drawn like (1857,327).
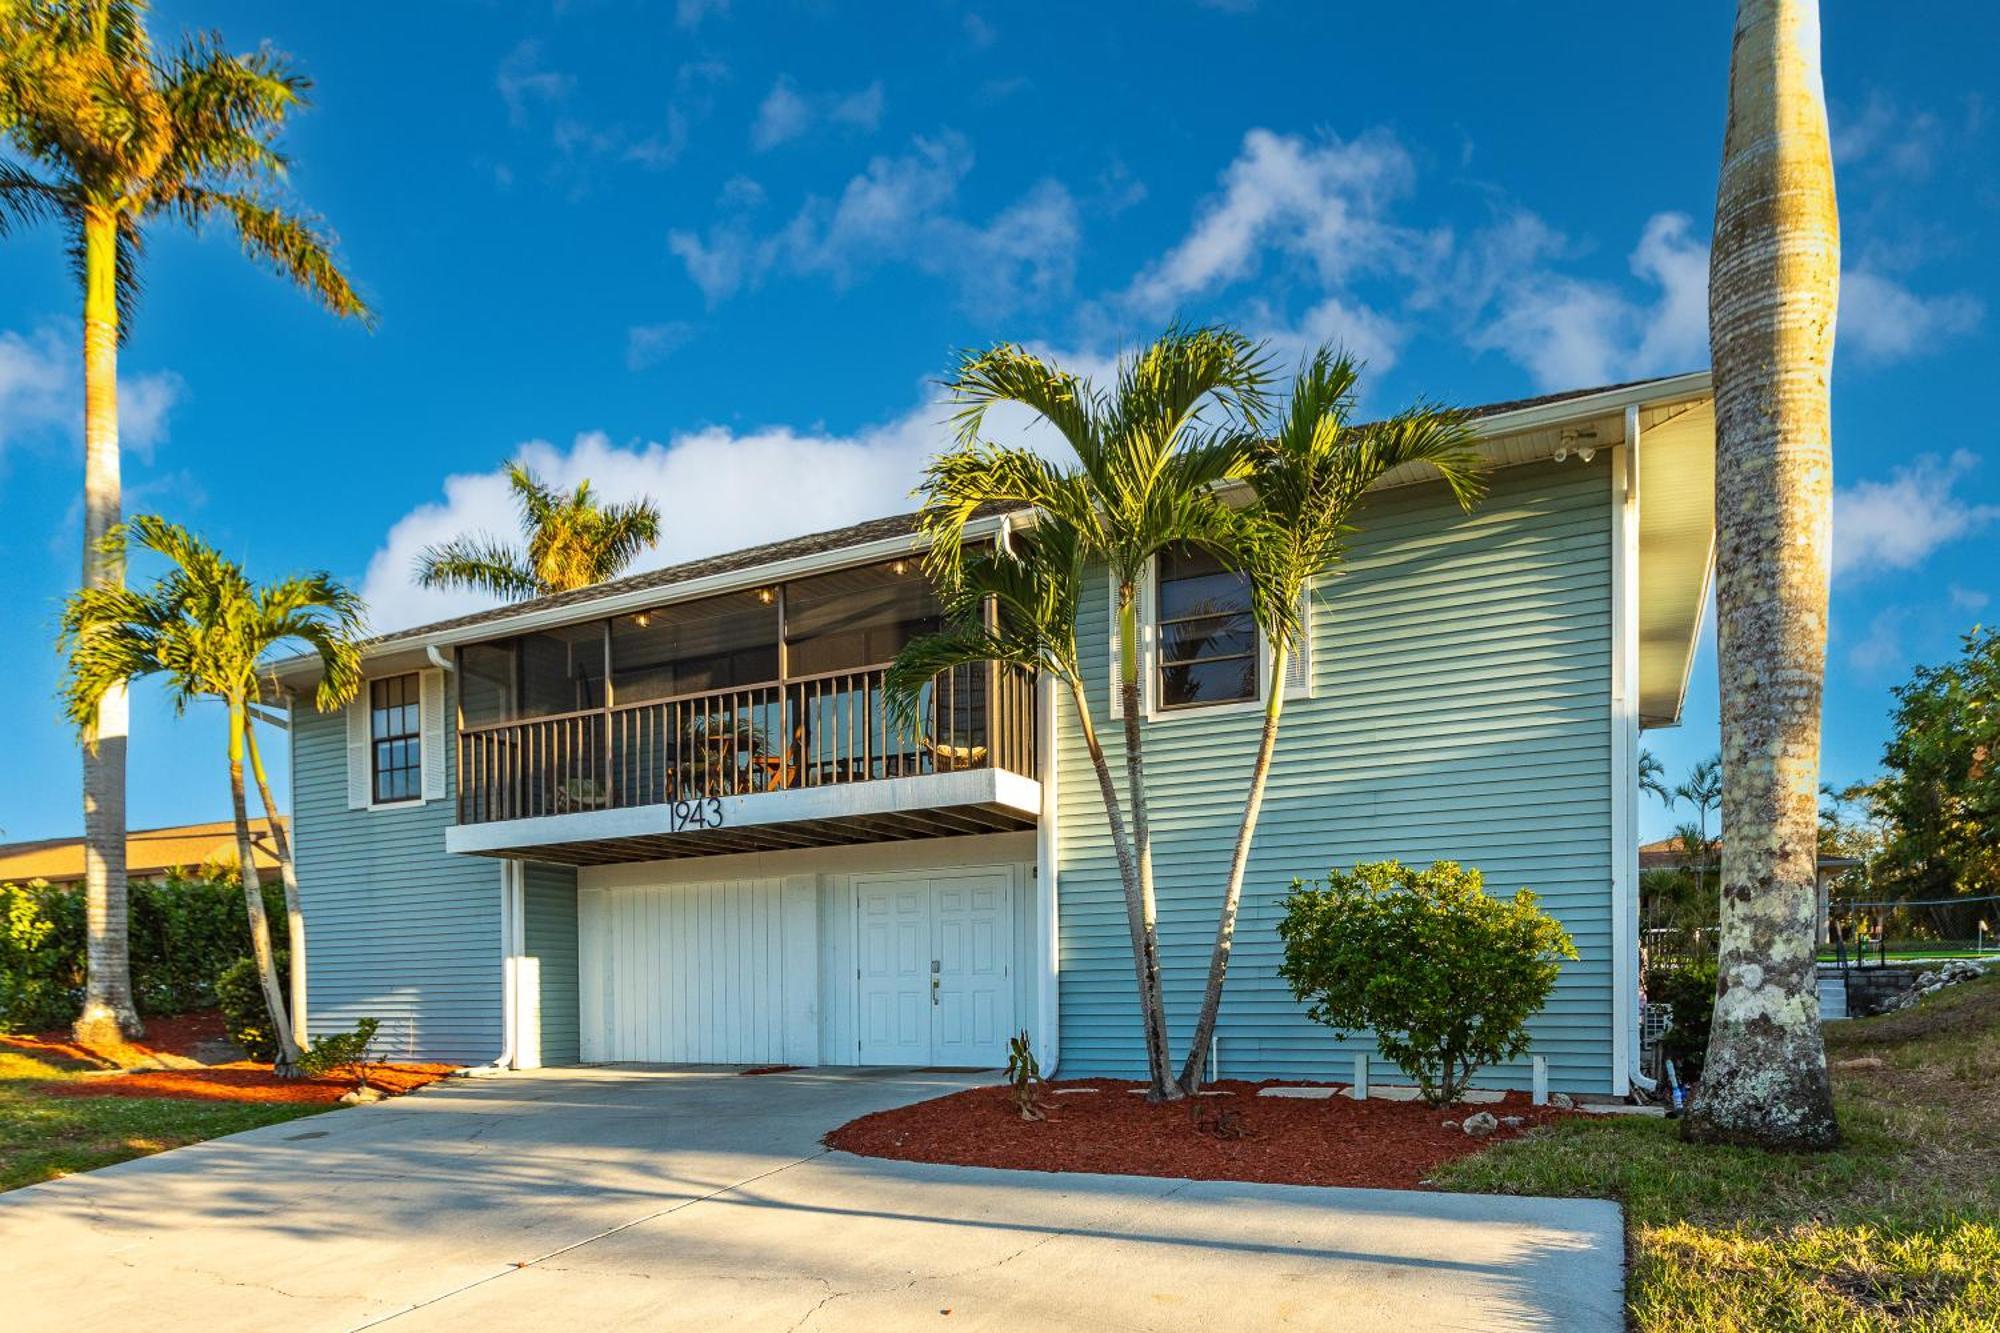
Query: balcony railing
(812,731)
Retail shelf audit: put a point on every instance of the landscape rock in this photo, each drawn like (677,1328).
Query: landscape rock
(1480,1124)
(362,1096)
(1562,1101)
(1955,972)
(1512,1121)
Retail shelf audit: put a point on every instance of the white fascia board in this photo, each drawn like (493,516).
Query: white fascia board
(913,795)
(1694,384)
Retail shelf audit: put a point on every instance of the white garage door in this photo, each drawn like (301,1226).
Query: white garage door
(724,972)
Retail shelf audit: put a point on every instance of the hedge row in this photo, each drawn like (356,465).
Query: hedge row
(184,933)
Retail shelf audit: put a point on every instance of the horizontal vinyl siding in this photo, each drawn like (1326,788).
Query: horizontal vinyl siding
(1460,710)
(396,928)
(549,934)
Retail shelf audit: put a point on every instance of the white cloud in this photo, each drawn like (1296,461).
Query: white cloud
(835,480)
(1887,137)
(1323,201)
(525,82)
(41,394)
(646,345)
(1881,320)
(1896,524)
(901,209)
(1969,599)
(1881,649)
(1367,335)
(1568,331)
(787,114)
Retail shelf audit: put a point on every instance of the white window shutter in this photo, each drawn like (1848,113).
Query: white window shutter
(360,772)
(1299,665)
(1117,646)
(432,692)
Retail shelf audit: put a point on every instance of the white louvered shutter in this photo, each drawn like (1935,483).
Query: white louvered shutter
(1117,645)
(432,694)
(360,773)
(1298,666)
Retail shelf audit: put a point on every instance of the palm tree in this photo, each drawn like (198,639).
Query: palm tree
(1309,478)
(573,542)
(1148,458)
(1653,777)
(1774,277)
(108,137)
(1702,789)
(209,630)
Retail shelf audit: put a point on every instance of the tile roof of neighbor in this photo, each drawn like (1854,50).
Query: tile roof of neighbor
(148,852)
(833,539)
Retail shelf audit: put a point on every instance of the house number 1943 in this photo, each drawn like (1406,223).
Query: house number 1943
(706,813)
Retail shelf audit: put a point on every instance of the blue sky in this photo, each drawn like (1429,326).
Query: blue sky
(720,250)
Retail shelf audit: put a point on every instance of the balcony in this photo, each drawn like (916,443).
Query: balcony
(802,762)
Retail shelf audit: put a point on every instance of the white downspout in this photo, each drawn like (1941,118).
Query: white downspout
(438,658)
(1625,1071)
(1048,921)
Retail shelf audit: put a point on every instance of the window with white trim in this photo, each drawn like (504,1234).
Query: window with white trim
(1209,651)
(395,738)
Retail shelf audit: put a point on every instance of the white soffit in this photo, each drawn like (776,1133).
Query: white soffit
(1676,550)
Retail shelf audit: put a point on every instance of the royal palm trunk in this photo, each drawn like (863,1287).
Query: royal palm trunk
(1773,285)
(108,1012)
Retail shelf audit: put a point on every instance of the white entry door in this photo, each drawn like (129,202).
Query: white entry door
(936,968)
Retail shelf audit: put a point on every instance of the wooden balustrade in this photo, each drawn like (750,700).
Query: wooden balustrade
(810,731)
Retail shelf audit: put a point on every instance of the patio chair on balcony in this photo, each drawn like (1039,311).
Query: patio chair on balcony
(581,794)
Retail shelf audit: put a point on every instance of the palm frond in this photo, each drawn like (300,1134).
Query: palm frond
(478,562)
(623,533)
(293,244)
(1007,373)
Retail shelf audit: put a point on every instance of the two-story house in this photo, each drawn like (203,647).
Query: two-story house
(666,819)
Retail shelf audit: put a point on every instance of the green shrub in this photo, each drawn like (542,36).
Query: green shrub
(343,1051)
(1690,989)
(1444,976)
(244,1013)
(182,933)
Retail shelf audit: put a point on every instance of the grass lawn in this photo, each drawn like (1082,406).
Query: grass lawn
(44,1135)
(1900,1228)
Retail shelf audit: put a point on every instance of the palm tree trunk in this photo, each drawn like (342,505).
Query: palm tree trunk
(108,1013)
(1145,924)
(1774,278)
(1239,862)
(253,902)
(1121,842)
(295,912)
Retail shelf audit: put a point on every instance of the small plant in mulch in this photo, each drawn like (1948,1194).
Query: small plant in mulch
(1024,1078)
(344,1053)
(1226,1123)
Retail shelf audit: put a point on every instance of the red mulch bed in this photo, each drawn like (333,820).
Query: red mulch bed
(1285,1140)
(181,1037)
(245,1081)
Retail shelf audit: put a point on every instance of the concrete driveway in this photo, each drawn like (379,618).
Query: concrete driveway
(643,1198)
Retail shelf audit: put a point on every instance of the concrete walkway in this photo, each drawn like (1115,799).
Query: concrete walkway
(627,1198)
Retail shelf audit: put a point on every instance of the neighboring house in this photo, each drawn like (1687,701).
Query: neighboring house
(1669,854)
(149,853)
(663,819)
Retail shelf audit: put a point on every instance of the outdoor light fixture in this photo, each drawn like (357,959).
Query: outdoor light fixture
(899,567)
(643,619)
(1582,442)
(766,596)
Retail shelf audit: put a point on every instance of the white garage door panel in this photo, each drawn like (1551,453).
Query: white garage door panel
(697,974)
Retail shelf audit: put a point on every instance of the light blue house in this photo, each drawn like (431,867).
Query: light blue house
(663,819)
